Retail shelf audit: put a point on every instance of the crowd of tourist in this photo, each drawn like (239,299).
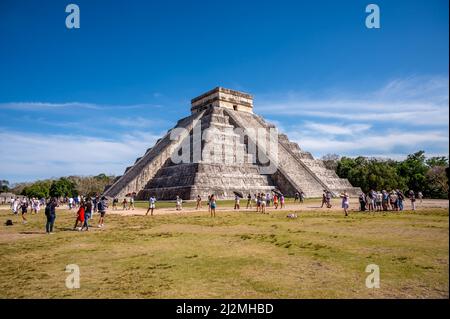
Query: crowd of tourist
(85,206)
(387,200)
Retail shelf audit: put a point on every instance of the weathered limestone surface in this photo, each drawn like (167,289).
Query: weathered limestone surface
(225,162)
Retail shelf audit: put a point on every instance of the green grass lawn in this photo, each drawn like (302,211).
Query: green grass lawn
(235,255)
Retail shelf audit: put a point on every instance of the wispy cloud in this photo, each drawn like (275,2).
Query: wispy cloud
(45,106)
(415,100)
(27,156)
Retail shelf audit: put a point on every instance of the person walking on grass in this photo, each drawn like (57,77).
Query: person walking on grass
(80,218)
(420,197)
(101,207)
(151,205)
(114,203)
(131,202)
(213,205)
(275,201)
(87,214)
(199,202)
(24,210)
(302,197)
(50,213)
(324,198)
(124,204)
(412,198)
(249,201)
(237,204)
(345,202)
(296,197)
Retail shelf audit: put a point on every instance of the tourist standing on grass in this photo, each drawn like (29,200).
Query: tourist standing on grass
(267,200)
(213,205)
(302,197)
(124,204)
(345,202)
(199,202)
(282,201)
(362,202)
(131,203)
(114,203)
(258,202)
(378,201)
(263,204)
(179,203)
(420,197)
(151,205)
(80,218)
(237,201)
(101,207)
(384,200)
(400,199)
(249,201)
(296,197)
(328,199)
(412,198)
(370,200)
(393,200)
(87,214)
(24,210)
(50,213)
(209,203)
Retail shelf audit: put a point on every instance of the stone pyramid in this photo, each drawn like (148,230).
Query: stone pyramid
(223,148)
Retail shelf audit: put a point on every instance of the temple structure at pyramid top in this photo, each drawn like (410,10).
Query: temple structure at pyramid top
(221,97)
(224,148)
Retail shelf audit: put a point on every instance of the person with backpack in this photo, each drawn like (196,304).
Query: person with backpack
(50,213)
(400,198)
(101,207)
(24,210)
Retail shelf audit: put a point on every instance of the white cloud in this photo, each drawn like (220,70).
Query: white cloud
(415,101)
(28,156)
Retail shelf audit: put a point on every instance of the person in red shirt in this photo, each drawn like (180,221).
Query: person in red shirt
(80,217)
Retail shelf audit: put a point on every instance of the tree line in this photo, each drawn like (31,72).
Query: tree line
(416,172)
(63,187)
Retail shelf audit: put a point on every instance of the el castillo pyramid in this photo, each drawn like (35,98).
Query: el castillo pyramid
(223,148)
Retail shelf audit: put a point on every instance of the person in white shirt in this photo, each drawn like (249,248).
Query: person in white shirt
(151,205)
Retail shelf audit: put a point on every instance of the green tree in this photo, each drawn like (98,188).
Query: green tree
(39,189)
(63,187)
(414,170)
(4,185)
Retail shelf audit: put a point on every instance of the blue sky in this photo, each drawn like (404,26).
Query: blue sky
(91,100)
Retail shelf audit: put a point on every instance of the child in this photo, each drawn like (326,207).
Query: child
(124,204)
(80,217)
